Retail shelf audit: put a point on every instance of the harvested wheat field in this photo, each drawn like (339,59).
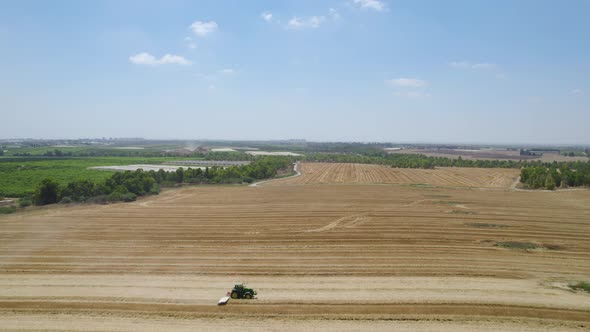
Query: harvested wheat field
(322,257)
(334,173)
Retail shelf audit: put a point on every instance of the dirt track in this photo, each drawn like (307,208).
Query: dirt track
(385,256)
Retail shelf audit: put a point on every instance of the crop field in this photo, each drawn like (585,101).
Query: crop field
(489,155)
(19,176)
(338,257)
(130,151)
(330,173)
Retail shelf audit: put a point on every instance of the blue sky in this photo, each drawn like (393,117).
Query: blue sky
(351,70)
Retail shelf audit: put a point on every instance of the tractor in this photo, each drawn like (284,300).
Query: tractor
(240,291)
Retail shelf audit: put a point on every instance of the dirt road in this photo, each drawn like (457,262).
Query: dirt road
(295,169)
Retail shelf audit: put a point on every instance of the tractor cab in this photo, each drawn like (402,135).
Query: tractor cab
(240,291)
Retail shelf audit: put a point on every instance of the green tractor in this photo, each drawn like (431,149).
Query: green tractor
(242,292)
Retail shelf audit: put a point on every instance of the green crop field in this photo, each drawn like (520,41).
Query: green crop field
(85,150)
(20,175)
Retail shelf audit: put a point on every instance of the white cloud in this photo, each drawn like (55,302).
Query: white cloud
(370,4)
(470,65)
(174,59)
(190,43)
(334,14)
(267,16)
(577,91)
(143,59)
(310,22)
(148,59)
(407,82)
(226,71)
(202,29)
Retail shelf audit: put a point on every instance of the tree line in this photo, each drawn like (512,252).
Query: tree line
(127,186)
(410,160)
(556,175)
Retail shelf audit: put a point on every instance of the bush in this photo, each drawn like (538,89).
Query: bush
(24,202)
(118,196)
(47,192)
(7,209)
(129,197)
(228,180)
(518,245)
(549,183)
(66,200)
(167,184)
(582,285)
(247,179)
(155,190)
(100,199)
(1,198)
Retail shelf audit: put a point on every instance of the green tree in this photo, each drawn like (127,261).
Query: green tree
(549,182)
(180,175)
(47,192)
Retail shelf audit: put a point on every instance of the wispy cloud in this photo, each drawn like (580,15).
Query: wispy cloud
(408,87)
(190,43)
(376,5)
(577,91)
(334,14)
(226,71)
(150,60)
(407,82)
(471,65)
(267,16)
(202,29)
(312,22)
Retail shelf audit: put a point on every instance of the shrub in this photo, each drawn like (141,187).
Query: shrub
(24,202)
(100,199)
(155,190)
(582,285)
(247,179)
(550,183)
(46,192)
(199,180)
(7,209)
(118,196)
(129,197)
(66,200)
(518,245)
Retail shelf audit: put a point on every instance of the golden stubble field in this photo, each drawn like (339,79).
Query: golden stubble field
(322,256)
(338,173)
